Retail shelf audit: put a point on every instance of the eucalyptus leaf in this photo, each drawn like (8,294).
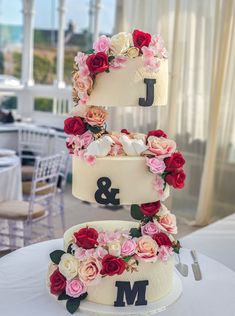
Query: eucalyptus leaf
(56,256)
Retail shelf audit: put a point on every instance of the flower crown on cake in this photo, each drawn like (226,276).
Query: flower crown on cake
(93,254)
(113,53)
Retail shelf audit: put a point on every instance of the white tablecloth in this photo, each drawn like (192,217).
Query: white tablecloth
(23,289)
(216,240)
(10,180)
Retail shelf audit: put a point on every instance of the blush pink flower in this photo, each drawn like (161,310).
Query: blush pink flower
(128,247)
(117,150)
(80,59)
(100,252)
(90,159)
(102,238)
(82,254)
(146,249)
(83,99)
(75,288)
(102,44)
(156,165)
(165,252)
(118,62)
(89,270)
(86,139)
(147,52)
(167,224)
(82,84)
(161,146)
(84,71)
(149,229)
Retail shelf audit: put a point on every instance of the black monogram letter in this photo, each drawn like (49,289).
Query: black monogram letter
(138,290)
(149,93)
(105,196)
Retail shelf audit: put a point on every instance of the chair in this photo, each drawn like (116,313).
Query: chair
(32,142)
(37,211)
(59,200)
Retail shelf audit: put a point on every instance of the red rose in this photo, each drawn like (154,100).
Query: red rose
(74,125)
(97,62)
(176,179)
(58,282)
(125,131)
(162,239)
(157,133)
(86,238)
(150,209)
(141,39)
(112,265)
(175,161)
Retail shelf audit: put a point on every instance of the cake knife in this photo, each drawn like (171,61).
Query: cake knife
(195,266)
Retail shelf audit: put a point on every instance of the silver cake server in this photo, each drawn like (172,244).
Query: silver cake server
(182,268)
(195,266)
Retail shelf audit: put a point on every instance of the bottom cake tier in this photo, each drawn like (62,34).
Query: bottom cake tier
(142,283)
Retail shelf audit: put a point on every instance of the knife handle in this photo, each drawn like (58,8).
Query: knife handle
(194,255)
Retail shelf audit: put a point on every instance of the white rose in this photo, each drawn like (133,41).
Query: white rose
(114,248)
(120,43)
(68,266)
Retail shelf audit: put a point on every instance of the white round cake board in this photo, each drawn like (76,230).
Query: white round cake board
(150,309)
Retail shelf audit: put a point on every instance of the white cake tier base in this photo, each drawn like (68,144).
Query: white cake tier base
(150,309)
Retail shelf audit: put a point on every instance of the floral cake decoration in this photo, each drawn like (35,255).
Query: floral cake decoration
(95,254)
(113,53)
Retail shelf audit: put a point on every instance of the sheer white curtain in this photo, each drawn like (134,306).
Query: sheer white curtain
(200,38)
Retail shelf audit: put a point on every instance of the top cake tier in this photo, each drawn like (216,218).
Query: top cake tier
(124,70)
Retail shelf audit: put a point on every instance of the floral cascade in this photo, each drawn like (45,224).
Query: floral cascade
(93,255)
(113,53)
(89,139)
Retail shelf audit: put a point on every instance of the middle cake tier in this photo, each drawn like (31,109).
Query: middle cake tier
(115,180)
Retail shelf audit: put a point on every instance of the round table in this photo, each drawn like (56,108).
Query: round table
(23,288)
(10,179)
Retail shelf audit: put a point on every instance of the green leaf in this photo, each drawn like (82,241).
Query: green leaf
(56,256)
(63,296)
(110,58)
(176,246)
(126,259)
(72,305)
(136,212)
(83,296)
(89,51)
(94,129)
(107,70)
(69,249)
(135,232)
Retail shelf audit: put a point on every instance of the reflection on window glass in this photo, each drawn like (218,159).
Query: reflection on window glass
(11,35)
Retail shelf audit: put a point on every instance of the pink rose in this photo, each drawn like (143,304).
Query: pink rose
(80,59)
(165,252)
(84,72)
(167,224)
(75,288)
(96,116)
(82,84)
(147,249)
(128,247)
(161,146)
(158,185)
(156,165)
(102,44)
(89,270)
(149,229)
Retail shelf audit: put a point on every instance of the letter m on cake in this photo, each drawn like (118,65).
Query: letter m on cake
(134,295)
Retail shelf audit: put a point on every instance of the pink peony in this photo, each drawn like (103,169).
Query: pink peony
(149,229)
(102,44)
(160,146)
(147,249)
(156,165)
(100,252)
(86,139)
(75,288)
(82,254)
(167,224)
(128,247)
(165,252)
